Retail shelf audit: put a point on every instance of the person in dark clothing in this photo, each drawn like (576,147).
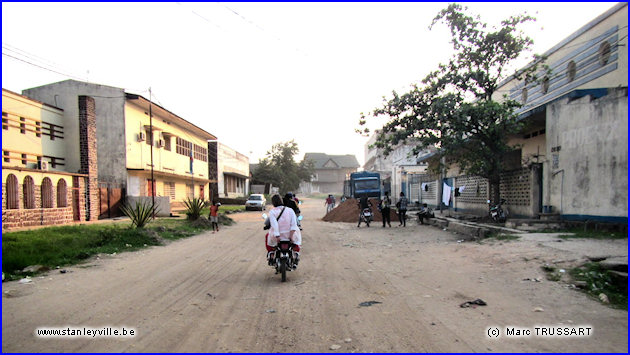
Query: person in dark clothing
(363,204)
(290,202)
(386,203)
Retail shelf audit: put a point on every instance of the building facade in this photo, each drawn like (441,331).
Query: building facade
(49,166)
(143,149)
(233,172)
(330,173)
(572,158)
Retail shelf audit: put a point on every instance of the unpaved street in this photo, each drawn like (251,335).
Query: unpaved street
(215,293)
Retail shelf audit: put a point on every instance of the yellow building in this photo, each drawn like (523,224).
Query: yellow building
(37,186)
(143,149)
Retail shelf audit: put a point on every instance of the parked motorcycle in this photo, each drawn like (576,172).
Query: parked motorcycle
(282,258)
(498,213)
(425,212)
(366,216)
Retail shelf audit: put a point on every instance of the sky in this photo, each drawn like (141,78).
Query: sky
(256,74)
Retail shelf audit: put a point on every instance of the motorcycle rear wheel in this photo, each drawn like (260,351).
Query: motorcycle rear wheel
(283,269)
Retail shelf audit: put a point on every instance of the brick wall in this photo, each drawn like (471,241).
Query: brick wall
(87,146)
(13,218)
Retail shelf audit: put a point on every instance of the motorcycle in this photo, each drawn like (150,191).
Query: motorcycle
(498,213)
(366,216)
(425,212)
(282,258)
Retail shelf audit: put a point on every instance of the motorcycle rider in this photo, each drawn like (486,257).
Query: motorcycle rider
(283,227)
(363,204)
(289,201)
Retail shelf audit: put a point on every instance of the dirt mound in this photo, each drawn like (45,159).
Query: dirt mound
(348,211)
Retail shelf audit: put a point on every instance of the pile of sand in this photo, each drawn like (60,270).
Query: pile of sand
(348,211)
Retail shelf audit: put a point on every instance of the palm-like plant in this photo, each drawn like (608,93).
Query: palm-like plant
(194,207)
(140,214)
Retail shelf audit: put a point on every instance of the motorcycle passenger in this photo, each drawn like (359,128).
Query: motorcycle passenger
(283,227)
(289,201)
(363,204)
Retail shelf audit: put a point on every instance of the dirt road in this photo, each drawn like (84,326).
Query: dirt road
(215,293)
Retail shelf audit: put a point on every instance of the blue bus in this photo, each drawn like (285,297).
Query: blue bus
(363,183)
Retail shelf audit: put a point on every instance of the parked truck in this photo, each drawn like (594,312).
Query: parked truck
(364,183)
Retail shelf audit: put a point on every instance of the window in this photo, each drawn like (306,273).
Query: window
(62,193)
(13,197)
(167,143)
(47,193)
(169,189)
(22,125)
(149,140)
(5,120)
(202,192)
(604,53)
(545,85)
(524,95)
(201,153)
(29,192)
(571,71)
(183,146)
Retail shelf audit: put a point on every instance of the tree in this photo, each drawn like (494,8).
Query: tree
(280,168)
(454,108)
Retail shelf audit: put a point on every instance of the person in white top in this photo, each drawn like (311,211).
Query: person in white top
(283,227)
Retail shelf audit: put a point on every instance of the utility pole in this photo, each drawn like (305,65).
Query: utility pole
(153,184)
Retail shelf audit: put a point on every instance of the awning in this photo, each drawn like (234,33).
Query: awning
(236,175)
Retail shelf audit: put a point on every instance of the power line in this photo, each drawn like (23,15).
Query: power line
(42,67)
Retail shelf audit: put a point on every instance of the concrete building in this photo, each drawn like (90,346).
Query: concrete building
(573,156)
(49,166)
(143,149)
(330,173)
(233,172)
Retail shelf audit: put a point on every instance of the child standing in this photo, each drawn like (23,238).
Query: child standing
(214,216)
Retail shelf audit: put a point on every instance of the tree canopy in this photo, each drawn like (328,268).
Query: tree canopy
(280,168)
(454,108)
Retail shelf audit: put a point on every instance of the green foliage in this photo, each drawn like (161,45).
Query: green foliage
(194,207)
(140,214)
(58,246)
(453,109)
(280,168)
(598,280)
(67,245)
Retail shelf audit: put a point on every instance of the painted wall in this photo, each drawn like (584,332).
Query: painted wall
(231,161)
(587,146)
(16,106)
(110,117)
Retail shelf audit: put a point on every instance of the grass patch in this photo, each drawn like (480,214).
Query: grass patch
(599,280)
(69,245)
(223,209)
(581,233)
(502,237)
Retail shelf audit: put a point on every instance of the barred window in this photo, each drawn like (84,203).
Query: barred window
(13,197)
(201,153)
(183,147)
(47,193)
(29,192)
(62,193)
(169,189)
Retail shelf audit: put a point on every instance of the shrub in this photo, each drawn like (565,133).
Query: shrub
(140,214)
(194,207)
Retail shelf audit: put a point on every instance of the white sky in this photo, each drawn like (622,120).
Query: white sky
(254,74)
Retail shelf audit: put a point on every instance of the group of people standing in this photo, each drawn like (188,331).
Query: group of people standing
(384,206)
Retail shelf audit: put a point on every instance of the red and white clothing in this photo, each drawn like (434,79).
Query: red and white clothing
(281,229)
